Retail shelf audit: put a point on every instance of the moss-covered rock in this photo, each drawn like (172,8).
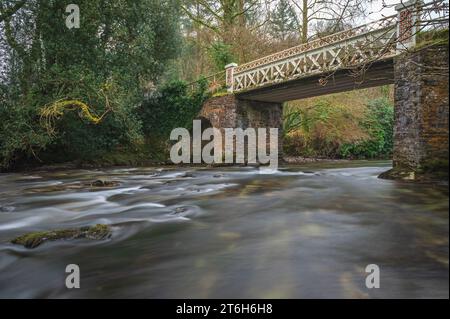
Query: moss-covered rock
(433,171)
(399,174)
(32,240)
(93,186)
(104,183)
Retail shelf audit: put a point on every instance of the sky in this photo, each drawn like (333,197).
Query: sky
(381,8)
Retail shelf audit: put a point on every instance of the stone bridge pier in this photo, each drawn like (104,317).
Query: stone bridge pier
(421,125)
(229,111)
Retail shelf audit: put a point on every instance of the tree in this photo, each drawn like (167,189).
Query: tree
(223,17)
(283,20)
(227,21)
(221,55)
(104,66)
(335,11)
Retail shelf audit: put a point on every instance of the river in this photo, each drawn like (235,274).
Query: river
(299,232)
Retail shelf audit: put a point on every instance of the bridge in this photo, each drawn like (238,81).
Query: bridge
(365,56)
(316,67)
(322,66)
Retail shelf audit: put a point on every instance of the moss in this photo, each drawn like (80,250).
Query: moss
(399,173)
(33,240)
(431,170)
(221,93)
(436,168)
(435,165)
(434,37)
(56,110)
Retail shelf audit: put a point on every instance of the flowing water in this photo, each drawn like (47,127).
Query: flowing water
(300,232)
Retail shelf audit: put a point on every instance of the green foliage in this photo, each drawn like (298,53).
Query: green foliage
(432,37)
(292,121)
(316,131)
(379,125)
(171,106)
(304,119)
(122,44)
(19,139)
(332,127)
(221,55)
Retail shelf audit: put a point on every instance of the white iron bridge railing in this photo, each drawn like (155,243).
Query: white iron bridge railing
(358,46)
(344,49)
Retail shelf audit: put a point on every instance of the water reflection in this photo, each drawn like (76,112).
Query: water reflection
(301,232)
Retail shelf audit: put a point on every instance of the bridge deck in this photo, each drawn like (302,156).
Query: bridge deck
(379,73)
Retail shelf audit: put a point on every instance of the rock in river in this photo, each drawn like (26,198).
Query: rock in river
(104,183)
(32,240)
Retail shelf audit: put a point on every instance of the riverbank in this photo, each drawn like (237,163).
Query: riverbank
(307,160)
(131,160)
(140,162)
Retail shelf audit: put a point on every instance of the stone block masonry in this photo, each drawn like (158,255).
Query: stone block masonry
(229,111)
(421,111)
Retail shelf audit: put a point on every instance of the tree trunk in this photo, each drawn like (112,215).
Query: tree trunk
(304,37)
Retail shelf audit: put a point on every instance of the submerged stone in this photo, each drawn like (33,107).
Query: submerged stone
(7,209)
(104,183)
(423,174)
(75,186)
(33,240)
(179,210)
(399,174)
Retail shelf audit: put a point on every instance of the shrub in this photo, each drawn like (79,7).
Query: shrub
(379,124)
(355,124)
(171,106)
(221,55)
